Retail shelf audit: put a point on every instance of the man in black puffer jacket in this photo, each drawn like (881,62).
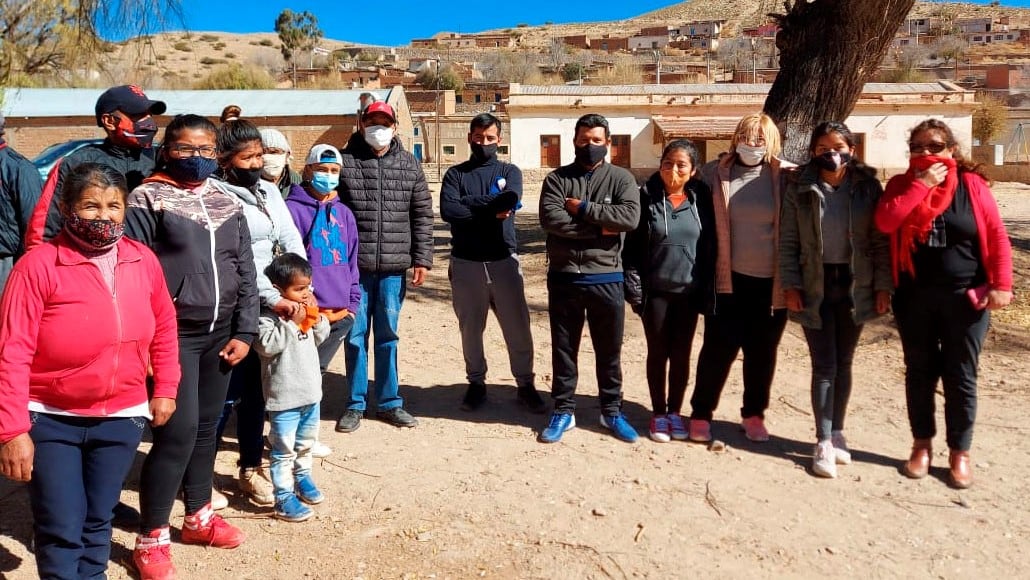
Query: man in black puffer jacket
(385,188)
(19,191)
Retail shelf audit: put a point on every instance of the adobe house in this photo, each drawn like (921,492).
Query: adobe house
(37,118)
(643,118)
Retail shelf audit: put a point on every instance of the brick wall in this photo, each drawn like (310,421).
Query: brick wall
(29,141)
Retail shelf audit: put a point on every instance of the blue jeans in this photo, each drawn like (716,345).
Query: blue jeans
(78,471)
(381,298)
(293,433)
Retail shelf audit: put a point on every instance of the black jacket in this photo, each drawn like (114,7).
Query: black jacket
(672,251)
(134,164)
(391,204)
(203,243)
(20,186)
(470,201)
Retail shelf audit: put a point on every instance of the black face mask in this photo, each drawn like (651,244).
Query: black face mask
(483,153)
(191,170)
(135,134)
(832,160)
(243,177)
(590,155)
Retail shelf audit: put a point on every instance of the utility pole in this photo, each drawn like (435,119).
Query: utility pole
(657,54)
(439,99)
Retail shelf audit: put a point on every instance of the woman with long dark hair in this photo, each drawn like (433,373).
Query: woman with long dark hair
(201,237)
(952,262)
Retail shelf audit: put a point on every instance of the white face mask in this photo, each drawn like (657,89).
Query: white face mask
(378,136)
(274,164)
(750,155)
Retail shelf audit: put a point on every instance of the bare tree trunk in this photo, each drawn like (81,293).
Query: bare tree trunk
(828,50)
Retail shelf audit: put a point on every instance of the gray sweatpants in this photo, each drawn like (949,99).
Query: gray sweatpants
(477,288)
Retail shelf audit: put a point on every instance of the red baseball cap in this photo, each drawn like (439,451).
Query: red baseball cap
(379,107)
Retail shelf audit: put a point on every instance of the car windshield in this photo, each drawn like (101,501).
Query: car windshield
(53,153)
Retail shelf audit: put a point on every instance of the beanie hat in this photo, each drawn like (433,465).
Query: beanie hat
(272,139)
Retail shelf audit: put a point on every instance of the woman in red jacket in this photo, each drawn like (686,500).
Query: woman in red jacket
(952,263)
(83,317)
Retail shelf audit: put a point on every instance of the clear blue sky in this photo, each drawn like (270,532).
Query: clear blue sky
(401,20)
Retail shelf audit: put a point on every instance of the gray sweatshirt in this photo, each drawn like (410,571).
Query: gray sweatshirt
(290,374)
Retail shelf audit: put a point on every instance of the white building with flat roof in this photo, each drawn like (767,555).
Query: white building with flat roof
(643,118)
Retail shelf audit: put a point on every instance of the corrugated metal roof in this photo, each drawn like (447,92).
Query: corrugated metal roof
(717,89)
(696,127)
(265,103)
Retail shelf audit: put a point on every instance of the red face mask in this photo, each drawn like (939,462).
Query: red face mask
(134,134)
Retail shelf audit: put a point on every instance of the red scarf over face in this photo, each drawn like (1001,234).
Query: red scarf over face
(918,224)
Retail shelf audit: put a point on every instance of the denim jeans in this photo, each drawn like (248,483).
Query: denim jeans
(78,470)
(293,433)
(381,298)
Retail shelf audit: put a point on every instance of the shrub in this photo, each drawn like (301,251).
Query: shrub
(266,42)
(182,46)
(235,76)
(207,60)
(230,55)
(989,118)
(208,38)
(218,45)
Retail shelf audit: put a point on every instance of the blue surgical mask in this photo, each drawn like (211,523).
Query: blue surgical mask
(324,182)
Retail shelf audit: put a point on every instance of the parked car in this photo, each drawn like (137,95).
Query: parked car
(45,161)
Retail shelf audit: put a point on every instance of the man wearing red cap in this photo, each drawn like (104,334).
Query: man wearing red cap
(383,185)
(126,115)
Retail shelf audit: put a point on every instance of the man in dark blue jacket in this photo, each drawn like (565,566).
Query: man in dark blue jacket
(478,199)
(19,191)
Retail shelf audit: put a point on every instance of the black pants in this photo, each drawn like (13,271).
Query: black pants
(601,307)
(245,389)
(941,336)
(832,349)
(744,321)
(669,325)
(183,455)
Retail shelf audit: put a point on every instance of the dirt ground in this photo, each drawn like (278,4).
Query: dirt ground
(474,495)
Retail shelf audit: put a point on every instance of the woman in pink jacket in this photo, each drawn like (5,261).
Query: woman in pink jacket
(952,263)
(83,318)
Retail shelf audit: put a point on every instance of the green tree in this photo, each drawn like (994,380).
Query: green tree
(989,118)
(572,71)
(52,36)
(298,31)
(448,79)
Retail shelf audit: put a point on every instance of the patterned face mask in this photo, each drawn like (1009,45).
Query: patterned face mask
(99,234)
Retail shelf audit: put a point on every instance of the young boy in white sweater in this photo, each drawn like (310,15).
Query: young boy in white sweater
(292,383)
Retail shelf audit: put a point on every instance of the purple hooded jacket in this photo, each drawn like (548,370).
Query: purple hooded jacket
(330,238)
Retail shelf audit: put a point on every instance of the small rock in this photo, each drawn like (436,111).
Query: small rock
(599,512)
(717,446)
(424,537)
(831,550)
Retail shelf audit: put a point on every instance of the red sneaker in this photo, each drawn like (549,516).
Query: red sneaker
(754,429)
(153,556)
(209,529)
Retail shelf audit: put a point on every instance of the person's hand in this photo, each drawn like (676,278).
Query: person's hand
(996,299)
(418,276)
(572,205)
(504,215)
(794,301)
(883,301)
(16,458)
(934,175)
(608,232)
(299,314)
(161,408)
(334,316)
(286,309)
(234,351)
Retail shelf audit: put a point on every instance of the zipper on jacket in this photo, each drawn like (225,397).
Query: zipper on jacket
(379,211)
(118,343)
(214,266)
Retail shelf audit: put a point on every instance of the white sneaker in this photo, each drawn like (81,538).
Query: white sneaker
(321,450)
(824,460)
(256,486)
(218,500)
(840,448)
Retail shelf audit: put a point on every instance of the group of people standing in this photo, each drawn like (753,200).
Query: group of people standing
(210,277)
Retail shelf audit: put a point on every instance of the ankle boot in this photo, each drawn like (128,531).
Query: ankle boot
(961,472)
(918,464)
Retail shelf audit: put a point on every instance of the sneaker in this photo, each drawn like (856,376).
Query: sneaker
(349,421)
(321,450)
(529,397)
(289,509)
(253,484)
(620,427)
(824,460)
(754,429)
(397,417)
(218,500)
(840,448)
(558,425)
(660,431)
(699,430)
(153,555)
(475,396)
(308,492)
(677,428)
(209,529)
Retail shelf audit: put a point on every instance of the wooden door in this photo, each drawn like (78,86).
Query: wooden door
(550,151)
(620,150)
